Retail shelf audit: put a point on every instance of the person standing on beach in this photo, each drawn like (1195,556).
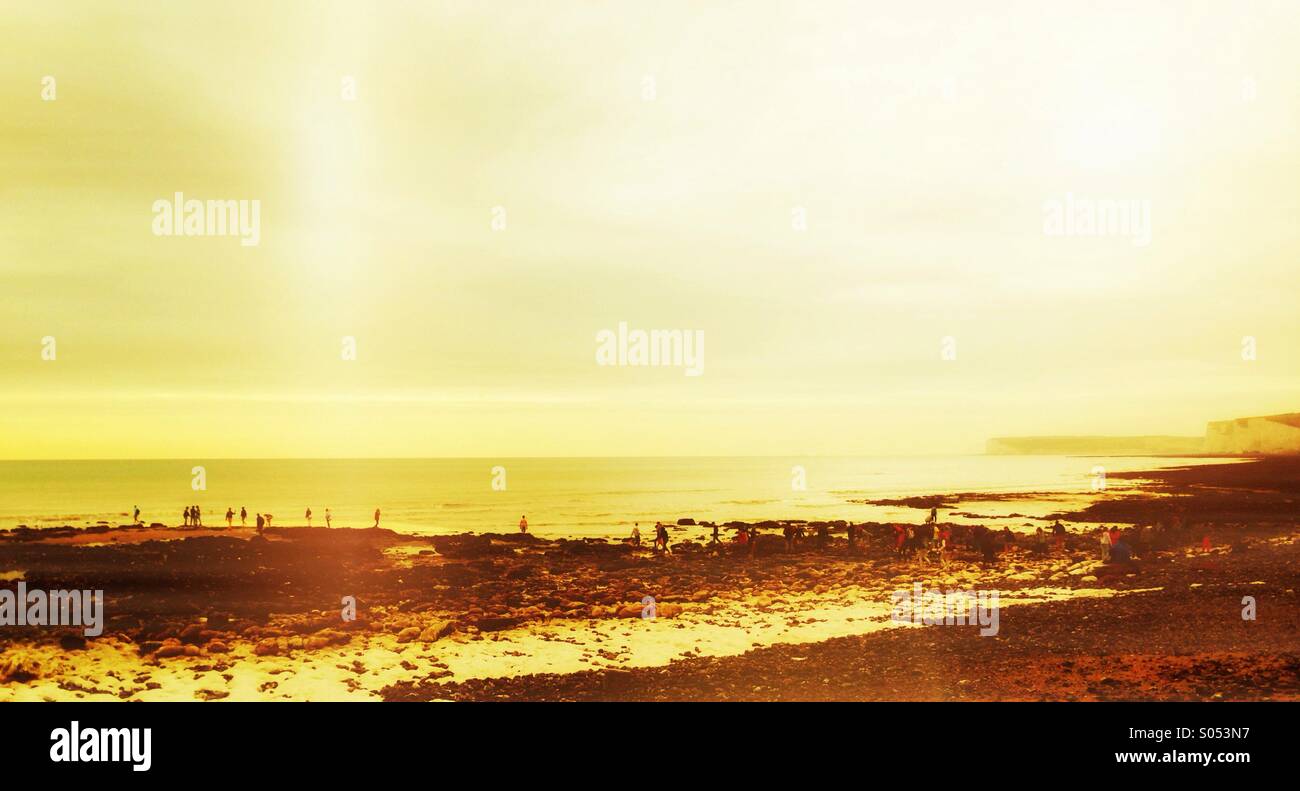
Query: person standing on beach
(186,516)
(636,534)
(523,524)
(661,536)
(230,517)
(198,516)
(376,517)
(308,515)
(243,516)
(136,518)
(1058,530)
(329,516)
(261,524)
(1105,543)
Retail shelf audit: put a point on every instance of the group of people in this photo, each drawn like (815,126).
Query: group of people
(192,516)
(661,536)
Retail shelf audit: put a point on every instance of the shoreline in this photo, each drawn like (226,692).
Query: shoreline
(217,613)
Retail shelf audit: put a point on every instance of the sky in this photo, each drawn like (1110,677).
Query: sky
(847,201)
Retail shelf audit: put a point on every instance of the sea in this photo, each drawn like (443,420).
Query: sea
(561,497)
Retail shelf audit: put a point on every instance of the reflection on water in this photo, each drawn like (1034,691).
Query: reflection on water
(584,497)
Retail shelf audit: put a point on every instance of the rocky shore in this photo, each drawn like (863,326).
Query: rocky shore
(226,614)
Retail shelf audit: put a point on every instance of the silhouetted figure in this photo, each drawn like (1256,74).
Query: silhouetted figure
(523,524)
(636,534)
(230,517)
(243,516)
(261,524)
(329,517)
(1058,530)
(308,515)
(136,517)
(376,517)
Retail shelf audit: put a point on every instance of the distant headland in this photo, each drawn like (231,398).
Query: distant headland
(1268,435)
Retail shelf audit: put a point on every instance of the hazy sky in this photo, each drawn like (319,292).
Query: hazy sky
(652,160)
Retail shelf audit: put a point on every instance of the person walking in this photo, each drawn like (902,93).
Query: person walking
(523,524)
(243,516)
(230,517)
(329,516)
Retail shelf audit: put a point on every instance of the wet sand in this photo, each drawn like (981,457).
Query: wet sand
(223,614)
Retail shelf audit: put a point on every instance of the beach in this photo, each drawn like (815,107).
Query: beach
(376,614)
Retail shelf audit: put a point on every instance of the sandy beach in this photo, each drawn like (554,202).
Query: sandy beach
(225,614)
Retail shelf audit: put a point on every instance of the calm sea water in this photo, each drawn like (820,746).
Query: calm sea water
(569,497)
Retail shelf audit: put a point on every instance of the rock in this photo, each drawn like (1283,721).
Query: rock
(436,631)
(170,647)
(269,646)
(15,666)
(408,634)
(217,647)
(72,641)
